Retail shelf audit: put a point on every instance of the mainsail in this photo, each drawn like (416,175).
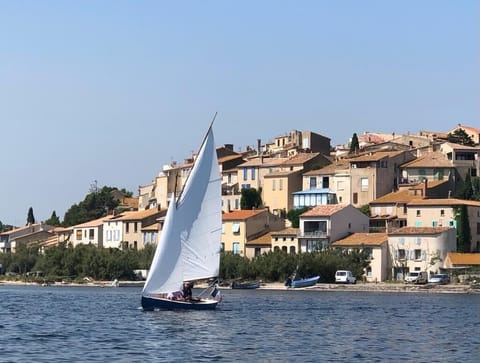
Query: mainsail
(189,245)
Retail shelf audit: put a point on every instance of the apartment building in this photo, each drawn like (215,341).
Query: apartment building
(324,224)
(241,226)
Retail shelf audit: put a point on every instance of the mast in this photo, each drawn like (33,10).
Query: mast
(198,152)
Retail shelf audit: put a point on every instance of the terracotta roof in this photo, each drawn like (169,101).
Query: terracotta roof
(277,174)
(94,223)
(430,160)
(264,239)
(362,239)
(444,202)
(286,232)
(402,196)
(375,156)
(129,216)
(152,227)
(330,169)
(300,158)
(461,147)
(324,210)
(229,157)
(457,258)
(265,162)
(418,230)
(237,215)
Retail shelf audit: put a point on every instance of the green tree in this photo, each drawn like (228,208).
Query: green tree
(467,190)
(354,145)
(53,220)
(293,216)
(30,217)
(459,136)
(250,199)
(365,209)
(463,229)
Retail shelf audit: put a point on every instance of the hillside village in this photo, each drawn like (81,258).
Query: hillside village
(409,184)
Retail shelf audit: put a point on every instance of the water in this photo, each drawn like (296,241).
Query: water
(88,324)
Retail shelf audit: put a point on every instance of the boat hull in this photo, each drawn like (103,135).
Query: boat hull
(154,303)
(246,285)
(305,282)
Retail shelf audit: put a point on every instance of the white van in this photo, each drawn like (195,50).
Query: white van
(416,277)
(345,277)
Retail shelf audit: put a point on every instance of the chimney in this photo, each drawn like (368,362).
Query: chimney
(259,151)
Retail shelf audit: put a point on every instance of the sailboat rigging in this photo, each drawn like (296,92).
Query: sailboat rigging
(189,245)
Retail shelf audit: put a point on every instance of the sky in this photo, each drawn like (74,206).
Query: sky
(110,91)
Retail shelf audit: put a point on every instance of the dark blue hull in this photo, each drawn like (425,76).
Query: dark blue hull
(305,282)
(153,303)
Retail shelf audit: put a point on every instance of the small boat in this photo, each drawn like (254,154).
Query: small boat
(190,242)
(246,285)
(303,282)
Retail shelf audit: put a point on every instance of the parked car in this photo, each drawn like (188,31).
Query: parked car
(345,277)
(439,279)
(416,277)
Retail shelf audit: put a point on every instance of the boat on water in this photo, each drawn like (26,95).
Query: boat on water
(190,242)
(246,285)
(302,282)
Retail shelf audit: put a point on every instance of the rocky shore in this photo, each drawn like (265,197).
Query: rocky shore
(359,287)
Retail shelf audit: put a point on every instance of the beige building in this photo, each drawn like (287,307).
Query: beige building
(285,240)
(420,249)
(442,213)
(241,226)
(465,159)
(324,224)
(90,232)
(130,226)
(473,132)
(376,244)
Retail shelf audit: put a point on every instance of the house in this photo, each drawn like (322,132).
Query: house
(374,174)
(432,166)
(90,232)
(376,244)
(125,231)
(241,226)
(285,240)
(443,212)
(324,224)
(259,245)
(298,141)
(389,212)
(465,159)
(30,240)
(473,132)
(7,237)
(456,260)
(419,249)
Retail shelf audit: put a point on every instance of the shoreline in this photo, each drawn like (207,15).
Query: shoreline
(359,287)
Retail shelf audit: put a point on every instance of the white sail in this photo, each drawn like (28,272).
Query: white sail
(189,246)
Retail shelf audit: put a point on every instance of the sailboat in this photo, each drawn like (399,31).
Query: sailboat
(189,245)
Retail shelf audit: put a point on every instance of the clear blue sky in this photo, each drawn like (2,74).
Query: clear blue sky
(111,90)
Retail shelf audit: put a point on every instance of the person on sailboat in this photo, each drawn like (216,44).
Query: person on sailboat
(187,291)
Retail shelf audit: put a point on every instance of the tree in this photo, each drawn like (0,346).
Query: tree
(30,217)
(354,145)
(463,229)
(294,216)
(53,220)
(467,190)
(459,136)
(250,199)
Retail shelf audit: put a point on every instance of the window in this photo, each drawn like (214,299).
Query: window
(389,210)
(244,173)
(419,213)
(116,235)
(252,173)
(236,248)
(401,241)
(401,254)
(478,228)
(325,182)
(135,227)
(273,184)
(236,203)
(229,178)
(236,228)
(280,184)
(109,235)
(79,234)
(127,227)
(417,254)
(355,198)
(364,184)
(313,182)
(91,233)
(442,212)
(418,240)
(222,246)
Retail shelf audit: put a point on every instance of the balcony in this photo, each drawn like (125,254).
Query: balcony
(313,234)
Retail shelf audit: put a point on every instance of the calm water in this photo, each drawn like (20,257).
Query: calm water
(83,324)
